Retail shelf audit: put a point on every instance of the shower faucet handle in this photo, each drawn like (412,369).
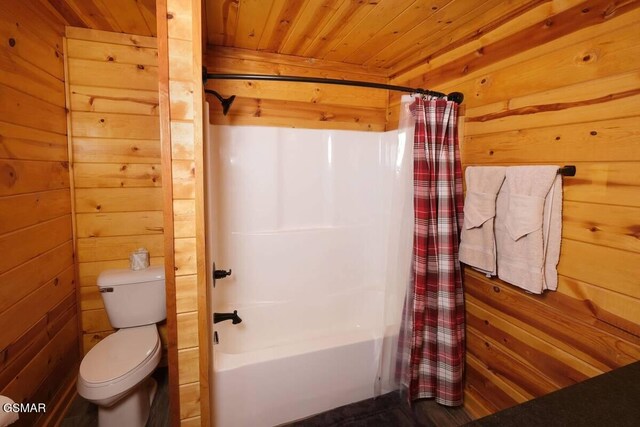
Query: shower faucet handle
(219,274)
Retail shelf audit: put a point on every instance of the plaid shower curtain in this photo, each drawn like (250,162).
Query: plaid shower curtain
(436,339)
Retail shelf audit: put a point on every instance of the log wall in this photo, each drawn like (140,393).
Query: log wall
(559,84)
(39,339)
(181,114)
(115,148)
(303,105)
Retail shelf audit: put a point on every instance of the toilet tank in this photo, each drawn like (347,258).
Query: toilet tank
(133,298)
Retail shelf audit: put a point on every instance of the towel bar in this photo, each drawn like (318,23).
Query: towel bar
(567,170)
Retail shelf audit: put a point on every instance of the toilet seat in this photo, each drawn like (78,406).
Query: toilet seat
(118,363)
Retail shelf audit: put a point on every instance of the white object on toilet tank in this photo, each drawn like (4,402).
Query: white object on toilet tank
(133,298)
(139,259)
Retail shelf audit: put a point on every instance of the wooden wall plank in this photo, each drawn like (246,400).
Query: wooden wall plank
(25,176)
(21,280)
(19,142)
(294,104)
(110,37)
(111,100)
(189,400)
(22,245)
(118,247)
(18,108)
(104,51)
(109,150)
(119,223)
(186,294)
(25,210)
(187,330)
(88,271)
(37,283)
(188,365)
(113,125)
(118,199)
(83,72)
(117,175)
(28,310)
(41,52)
(184,217)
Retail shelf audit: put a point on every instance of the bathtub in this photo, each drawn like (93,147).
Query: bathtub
(286,362)
(309,222)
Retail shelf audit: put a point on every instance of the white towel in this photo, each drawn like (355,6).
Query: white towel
(477,244)
(528,227)
(7,418)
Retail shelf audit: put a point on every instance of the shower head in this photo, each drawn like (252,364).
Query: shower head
(226,102)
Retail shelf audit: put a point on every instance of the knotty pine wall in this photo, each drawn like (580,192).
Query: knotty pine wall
(557,85)
(115,142)
(181,112)
(39,340)
(303,105)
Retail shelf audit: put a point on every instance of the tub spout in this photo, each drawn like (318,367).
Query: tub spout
(221,317)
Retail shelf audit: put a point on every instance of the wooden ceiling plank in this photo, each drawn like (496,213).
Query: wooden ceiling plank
(95,14)
(215,27)
(248,58)
(445,55)
(418,12)
(253,15)
(230,21)
(70,15)
(309,23)
(439,27)
(284,23)
(367,28)
(269,27)
(338,27)
(129,18)
(47,7)
(25,15)
(469,27)
(147,9)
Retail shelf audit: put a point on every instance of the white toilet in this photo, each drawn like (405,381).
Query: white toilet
(115,374)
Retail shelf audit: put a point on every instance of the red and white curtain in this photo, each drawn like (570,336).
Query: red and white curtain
(432,335)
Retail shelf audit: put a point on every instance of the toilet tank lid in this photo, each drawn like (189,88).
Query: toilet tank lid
(126,276)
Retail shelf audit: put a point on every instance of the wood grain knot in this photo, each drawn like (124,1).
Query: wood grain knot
(169,15)
(8,175)
(496,289)
(593,133)
(140,67)
(12,41)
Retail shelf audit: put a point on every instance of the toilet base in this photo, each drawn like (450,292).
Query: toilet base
(132,410)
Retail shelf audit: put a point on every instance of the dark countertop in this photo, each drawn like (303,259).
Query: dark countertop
(611,399)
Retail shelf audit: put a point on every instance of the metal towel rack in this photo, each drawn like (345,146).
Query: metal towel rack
(567,170)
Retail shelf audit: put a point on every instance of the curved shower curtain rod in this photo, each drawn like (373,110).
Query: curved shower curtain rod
(456,97)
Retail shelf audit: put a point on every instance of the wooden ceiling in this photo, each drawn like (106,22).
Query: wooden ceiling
(389,34)
(392,35)
(121,16)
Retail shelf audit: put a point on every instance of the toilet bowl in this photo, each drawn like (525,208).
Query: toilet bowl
(115,374)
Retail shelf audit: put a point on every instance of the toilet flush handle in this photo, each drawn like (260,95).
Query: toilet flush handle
(103,290)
